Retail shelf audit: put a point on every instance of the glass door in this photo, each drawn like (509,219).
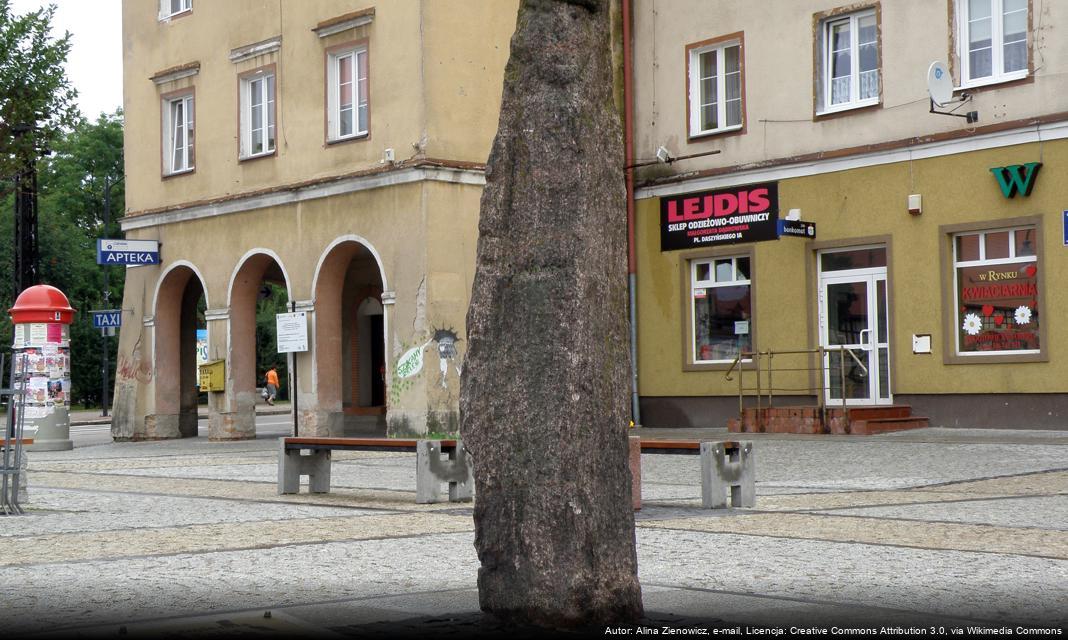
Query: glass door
(853,326)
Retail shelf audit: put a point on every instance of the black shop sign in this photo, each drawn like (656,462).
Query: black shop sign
(723,216)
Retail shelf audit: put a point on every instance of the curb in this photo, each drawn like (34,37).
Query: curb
(202,416)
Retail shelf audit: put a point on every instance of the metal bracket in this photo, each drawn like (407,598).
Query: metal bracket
(970,117)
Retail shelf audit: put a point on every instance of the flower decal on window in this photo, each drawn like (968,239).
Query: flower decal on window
(972,324)
(1023,315)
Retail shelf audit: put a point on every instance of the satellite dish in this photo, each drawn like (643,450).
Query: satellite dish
(939,84)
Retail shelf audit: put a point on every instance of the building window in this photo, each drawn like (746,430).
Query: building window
(257,114)
(993,40)
(720,289)
(178,134)
(715,85)
(168,8)
(347,93)
(996,284)
(849,61)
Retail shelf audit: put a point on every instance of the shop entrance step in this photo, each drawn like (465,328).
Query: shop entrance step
(862,420)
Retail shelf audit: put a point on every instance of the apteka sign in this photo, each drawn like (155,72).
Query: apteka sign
(128,252)
(724,216)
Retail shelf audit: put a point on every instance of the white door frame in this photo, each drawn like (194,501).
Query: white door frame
(869,341)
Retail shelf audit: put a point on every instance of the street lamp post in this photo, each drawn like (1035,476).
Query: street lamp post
(26,259)
(105,374)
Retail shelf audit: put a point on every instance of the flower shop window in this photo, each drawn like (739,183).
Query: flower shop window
(996,284)
(721,308)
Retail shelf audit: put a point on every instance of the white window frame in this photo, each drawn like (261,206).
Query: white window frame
(268,91)
(994,262)
(165,10)
(997,44)
(359,98)
(712,283)
(694,98)
(826,42)
(177,135)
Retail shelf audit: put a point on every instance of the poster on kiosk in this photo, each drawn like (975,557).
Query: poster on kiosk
(41,354)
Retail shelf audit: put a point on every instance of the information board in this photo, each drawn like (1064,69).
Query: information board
(292,331)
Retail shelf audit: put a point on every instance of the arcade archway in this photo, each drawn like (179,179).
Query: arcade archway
(350,331)
(259,274)
(179,314)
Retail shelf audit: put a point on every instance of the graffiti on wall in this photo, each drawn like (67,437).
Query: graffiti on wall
(446,339)
(410,364)
(134,367)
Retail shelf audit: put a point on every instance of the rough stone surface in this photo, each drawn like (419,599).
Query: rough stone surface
(543,402)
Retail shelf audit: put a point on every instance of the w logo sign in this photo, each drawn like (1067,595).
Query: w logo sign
(1017,178)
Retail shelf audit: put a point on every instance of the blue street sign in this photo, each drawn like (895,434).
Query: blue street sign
(797,228)
(128,252)
(1066,228)
(108,318)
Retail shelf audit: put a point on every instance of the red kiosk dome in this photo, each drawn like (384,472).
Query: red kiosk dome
(41,303)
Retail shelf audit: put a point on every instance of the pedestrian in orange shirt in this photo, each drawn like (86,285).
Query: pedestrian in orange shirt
(272,385)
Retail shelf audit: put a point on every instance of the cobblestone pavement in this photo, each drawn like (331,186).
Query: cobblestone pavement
(933,528)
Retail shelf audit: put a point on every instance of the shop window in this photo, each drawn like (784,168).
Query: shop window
(848,61)
(992,40)
(721,310)
(716,81)
(997,290)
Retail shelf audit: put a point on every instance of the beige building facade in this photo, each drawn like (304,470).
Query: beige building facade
(334,148)
(929,246)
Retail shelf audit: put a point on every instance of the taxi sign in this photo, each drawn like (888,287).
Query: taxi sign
(106,319)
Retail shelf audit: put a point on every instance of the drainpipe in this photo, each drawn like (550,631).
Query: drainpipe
(632,258)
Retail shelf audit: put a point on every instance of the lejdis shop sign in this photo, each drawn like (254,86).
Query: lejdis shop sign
(724,216)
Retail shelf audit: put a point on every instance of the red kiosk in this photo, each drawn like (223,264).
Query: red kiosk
(41,351)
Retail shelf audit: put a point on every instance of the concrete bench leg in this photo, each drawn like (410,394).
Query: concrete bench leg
(431,471)
(292,465)
(721,471)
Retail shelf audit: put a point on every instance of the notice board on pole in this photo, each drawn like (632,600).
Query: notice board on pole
(292,331)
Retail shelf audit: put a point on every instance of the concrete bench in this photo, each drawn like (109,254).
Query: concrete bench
(430,468)
(725,467)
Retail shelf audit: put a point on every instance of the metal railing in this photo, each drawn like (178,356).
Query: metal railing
(765,366)
(11,458)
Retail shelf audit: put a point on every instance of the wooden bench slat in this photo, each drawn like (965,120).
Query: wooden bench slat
(680,446)
(384,444)
(25,441)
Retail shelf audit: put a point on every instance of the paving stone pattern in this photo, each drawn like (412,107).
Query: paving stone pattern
(191,539)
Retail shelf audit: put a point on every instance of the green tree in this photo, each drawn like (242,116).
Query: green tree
(267,356)
(70,219)
(34,90)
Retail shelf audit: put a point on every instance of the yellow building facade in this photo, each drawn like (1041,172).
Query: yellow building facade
(332,148)
(929,270)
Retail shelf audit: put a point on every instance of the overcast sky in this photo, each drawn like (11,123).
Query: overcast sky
(94,65)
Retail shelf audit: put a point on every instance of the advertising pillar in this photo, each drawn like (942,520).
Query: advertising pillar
(41,352)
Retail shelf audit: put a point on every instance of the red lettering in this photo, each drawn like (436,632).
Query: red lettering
(758,200)
(726,204)
(689,209)
(673,211)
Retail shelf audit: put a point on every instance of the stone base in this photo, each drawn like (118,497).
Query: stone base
(50,445)
(234,425)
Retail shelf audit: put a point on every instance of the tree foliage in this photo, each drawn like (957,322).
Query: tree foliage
(267,355)
(70,219)
(34,90)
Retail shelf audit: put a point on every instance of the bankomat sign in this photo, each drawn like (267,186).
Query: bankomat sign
(722,216)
